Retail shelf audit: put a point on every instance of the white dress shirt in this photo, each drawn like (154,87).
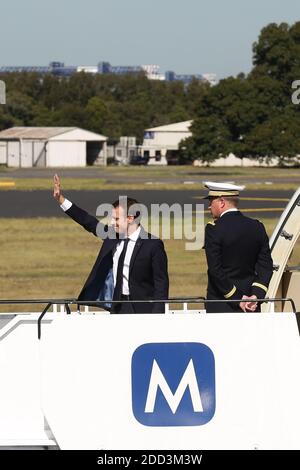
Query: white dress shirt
(66,205)
(130,247)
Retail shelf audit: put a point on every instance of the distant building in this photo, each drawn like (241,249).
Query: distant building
(124,151)
(171,76)
(87,69)
(105,67)
(2,92)
(26,147)
(232,161)
(60,69)
(161,147)
(151,71)
(161,144)
(25,69)
(210,78)
(55,68)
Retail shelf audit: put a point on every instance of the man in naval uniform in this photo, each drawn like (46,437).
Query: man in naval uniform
(237,252)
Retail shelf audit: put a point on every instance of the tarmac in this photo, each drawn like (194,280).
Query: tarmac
(116,176)
(40,203)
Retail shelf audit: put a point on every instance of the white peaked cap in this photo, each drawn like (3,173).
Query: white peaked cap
(222,189)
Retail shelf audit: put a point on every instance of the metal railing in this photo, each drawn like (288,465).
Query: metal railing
(99,304)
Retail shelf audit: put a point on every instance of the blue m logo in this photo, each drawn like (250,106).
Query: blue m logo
(173,384)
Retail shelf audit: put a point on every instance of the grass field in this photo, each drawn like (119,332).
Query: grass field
(51,258)
(95,184)
(134,178)
(169,171)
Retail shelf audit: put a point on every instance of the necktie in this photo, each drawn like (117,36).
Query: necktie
(119,280)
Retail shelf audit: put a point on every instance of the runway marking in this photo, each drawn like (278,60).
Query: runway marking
(274,199)
(7,184)
(268,209)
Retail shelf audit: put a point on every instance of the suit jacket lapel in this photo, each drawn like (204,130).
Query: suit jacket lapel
(137,247)
(108,245)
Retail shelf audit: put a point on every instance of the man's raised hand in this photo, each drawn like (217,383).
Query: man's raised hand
(57,190)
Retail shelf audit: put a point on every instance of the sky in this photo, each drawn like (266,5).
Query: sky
(186,36)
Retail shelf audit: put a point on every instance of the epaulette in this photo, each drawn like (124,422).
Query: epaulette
(211,222)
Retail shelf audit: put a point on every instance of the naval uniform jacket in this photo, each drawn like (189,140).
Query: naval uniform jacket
(148,270)
(238,258)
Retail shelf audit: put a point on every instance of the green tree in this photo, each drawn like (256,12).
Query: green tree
(252,116)
(20,107)
(277,53)
(208,143)
(70,115)
(97,114)
(6,120)
(277,137)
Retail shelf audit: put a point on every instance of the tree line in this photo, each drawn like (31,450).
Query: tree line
(111,105)
(253,116)
(250,115)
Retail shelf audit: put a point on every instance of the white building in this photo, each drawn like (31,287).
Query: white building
(87,68)
(161,143)
(124,151)
(161,146)
(51,147)
(231,160)
(152,72)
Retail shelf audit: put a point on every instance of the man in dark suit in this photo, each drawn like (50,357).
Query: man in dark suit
(131,264)
(237,251)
